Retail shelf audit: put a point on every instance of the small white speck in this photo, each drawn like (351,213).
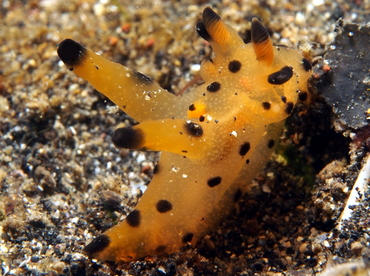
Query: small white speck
(184,175)
(112,109)
(318,2)
(75,220)
(326,244)
(309,8)
(195,68)
(234,133)
(175,169)
(97,171)
(26,261)
(266,189)
(353,16)
(209,117)
(162,269)
(300,18)
(79,256)
(72,130)
(99,9)
(73,87)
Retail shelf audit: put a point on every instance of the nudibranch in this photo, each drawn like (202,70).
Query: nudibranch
(214,139)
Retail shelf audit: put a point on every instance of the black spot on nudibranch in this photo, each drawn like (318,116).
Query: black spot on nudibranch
(237,195)
(143,78)
(283,99)
(134,218)
(234,66)
(214,181)
(194,129)
(160,249)
(271,143)
(201,118)
(244,148)
(192,107)
(289,107)
(156,169)
(128,137)
(163,206)
(281,76)
(214,87)
(266,105)
(306,64)
(71,52)
(187,237)
(97,245)
(302,96)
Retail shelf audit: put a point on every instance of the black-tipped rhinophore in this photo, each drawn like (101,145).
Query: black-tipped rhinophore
(128,138)
(262,44)
(71,52)
(209,16)
(202,32)
(258,32)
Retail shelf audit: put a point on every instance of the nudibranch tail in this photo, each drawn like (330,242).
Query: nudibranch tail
(214,139)
(262,43)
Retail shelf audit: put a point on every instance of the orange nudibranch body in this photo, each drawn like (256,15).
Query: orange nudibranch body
(214,139)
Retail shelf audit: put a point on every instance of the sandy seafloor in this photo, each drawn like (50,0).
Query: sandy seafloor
(63,182)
